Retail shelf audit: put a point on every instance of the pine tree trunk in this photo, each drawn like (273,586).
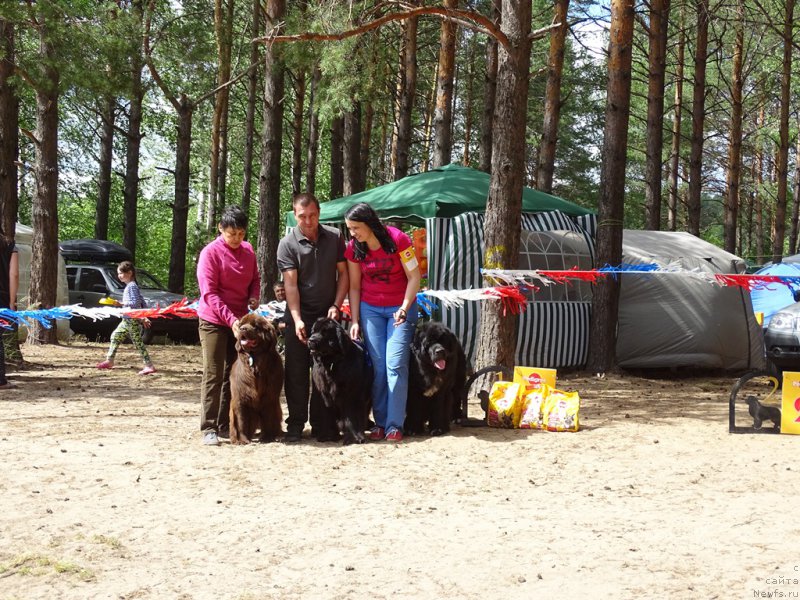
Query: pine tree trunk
(366,140)
(427,138)
(795,202)
(44,212)
(745,245)
(675,154)
(337,157)
(216,118)
(180,208)
(734,170)
(313,133)
(270,177)
(443,115)
(605,303)
(250,114)
(223,25)
(489,94)
(297,131)
(352,150)
(698,120)
(133,144)
(406,91)
(9,133)
(659,20)
(107,112)
(9,154)
(758,168)
(782,161)
(552,99)
(385,155)
(222,174)
(497,337)
(469,101)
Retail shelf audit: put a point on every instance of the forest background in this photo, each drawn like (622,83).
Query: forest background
(138,121)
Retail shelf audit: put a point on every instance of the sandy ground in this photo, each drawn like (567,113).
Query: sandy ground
(110,494)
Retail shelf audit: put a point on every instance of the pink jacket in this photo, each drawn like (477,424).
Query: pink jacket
(227,279)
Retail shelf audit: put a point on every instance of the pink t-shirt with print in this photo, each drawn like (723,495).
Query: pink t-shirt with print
(383,279)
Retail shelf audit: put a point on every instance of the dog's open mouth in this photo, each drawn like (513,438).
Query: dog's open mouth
(246,343)
(440,364)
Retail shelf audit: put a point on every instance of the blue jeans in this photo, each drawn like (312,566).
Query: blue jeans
(389,348)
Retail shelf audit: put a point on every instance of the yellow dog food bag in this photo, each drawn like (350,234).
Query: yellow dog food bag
(560,411)
(532,405)
(504,406)
(790,403)
(532,378)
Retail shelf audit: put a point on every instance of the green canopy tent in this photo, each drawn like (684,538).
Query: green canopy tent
(445,192)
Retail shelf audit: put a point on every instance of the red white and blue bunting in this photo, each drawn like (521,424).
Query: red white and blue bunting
(509,289)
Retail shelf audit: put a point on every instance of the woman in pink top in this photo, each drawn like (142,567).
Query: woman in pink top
(384,281)
(227,275)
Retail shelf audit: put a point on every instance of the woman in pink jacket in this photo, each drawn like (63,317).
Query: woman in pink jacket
(227,275)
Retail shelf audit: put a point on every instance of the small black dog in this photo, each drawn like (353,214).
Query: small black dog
(761,413)
(437,373)
(343,375)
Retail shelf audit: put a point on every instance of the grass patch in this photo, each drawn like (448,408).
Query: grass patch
(111,542)
(38,565)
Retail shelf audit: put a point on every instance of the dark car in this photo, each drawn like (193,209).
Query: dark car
(782,340)
(92,276)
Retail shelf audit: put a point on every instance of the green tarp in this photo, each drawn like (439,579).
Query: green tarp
(444,192)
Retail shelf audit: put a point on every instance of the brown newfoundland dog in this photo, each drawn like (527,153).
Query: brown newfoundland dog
(437,373)
(256,381)
(343,374)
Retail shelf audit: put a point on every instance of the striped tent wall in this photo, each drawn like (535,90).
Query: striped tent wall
(589,225)
(550,334)
(554,334)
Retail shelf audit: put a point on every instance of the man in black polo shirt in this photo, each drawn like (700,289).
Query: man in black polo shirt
(311,258)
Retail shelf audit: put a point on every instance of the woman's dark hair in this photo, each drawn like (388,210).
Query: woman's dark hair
(126,266)
(233,217)
(364,213)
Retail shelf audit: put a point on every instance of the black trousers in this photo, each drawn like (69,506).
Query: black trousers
(296,384)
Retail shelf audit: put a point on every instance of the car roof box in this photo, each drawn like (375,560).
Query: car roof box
(86,250)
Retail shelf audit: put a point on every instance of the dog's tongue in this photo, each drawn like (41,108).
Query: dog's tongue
(440,364)
(245,343)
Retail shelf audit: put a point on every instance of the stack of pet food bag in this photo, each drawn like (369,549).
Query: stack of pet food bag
(531,401)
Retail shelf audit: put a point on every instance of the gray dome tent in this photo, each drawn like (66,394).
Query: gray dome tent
(677,321)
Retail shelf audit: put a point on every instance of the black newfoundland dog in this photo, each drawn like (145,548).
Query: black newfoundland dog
(437,373)
(343,375)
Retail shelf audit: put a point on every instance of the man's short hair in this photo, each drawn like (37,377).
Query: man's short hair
(304,199)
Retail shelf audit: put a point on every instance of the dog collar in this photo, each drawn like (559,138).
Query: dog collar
(250,359)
